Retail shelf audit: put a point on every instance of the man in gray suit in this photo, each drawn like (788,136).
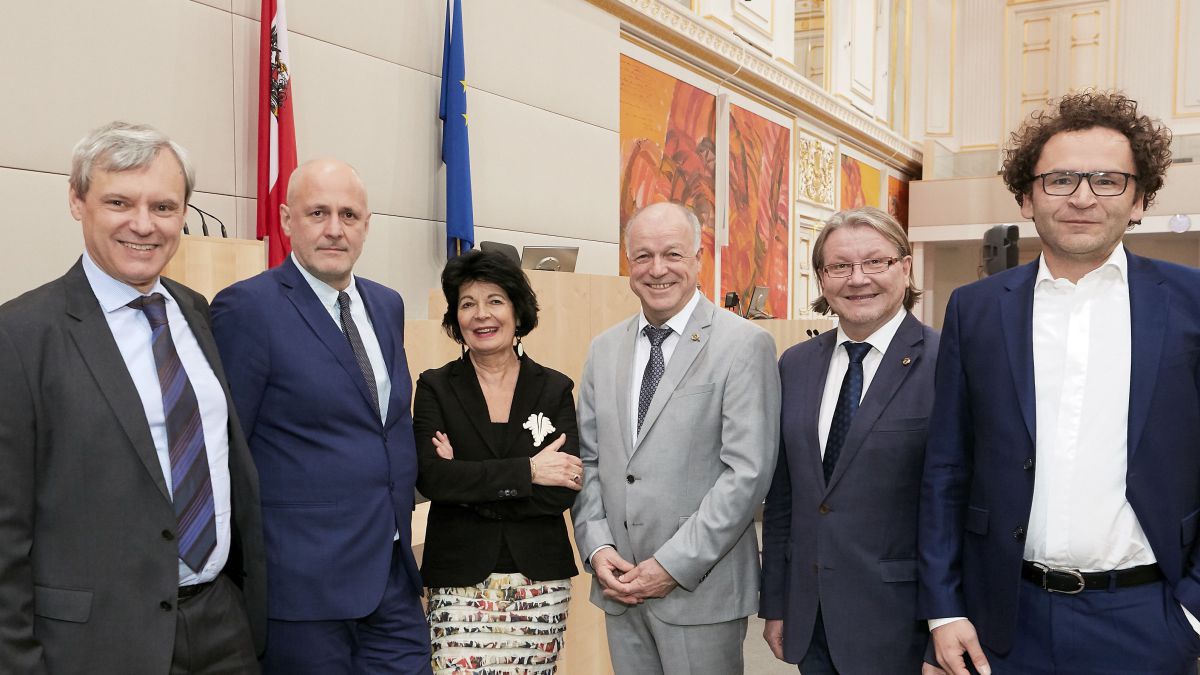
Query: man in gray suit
(678,432)
(839,589)
(130,534)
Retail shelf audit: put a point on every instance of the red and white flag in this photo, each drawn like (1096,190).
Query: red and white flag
(276,130)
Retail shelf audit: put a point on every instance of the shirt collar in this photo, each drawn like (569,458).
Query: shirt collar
(678,322)
(1116,260)
(882,337)
(113,294)
(327,294)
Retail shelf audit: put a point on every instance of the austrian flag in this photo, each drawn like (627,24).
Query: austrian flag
(276,129)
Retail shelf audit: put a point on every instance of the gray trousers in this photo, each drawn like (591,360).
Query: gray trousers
(641,644)
(212,634)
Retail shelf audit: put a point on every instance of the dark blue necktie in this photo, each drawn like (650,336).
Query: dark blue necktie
(192,495)
(847,405)
(654,369)
(350,330)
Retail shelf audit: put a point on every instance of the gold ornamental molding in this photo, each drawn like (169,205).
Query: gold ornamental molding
(726,58)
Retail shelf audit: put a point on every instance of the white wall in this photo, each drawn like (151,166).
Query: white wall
(543,105)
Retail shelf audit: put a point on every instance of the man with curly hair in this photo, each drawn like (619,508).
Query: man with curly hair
(1061,491)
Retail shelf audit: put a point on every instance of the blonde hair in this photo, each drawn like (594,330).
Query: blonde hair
(878,220)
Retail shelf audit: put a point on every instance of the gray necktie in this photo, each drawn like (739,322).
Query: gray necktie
(356,344)
(654,369)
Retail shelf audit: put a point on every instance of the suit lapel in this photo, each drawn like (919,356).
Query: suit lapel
(624,368)
(387,342)
(686,350)
(908,343)
(470,397)
(1149,303)
(1016,310)
(99,350)
(530,382)
(317,317)
(812,389)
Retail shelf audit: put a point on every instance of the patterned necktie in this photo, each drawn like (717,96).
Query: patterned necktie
(356,345)
(847,405)
(192,495)
(654,369)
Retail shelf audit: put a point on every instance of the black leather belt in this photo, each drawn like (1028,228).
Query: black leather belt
(1064,580)
(193,590)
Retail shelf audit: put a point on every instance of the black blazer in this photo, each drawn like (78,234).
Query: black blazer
(485,492)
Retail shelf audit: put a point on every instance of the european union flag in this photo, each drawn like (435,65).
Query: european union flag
(456,154)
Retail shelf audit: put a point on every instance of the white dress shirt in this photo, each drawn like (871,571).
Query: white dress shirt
(131,331)
(1080,518)
(839,363)
(641,354)
(328,296)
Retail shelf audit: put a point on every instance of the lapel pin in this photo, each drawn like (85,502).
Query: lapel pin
(905,361)
(695,337)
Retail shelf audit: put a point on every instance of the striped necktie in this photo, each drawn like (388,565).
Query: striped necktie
(191,481)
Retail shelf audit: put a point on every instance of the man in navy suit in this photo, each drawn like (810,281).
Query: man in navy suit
(1061,489)
(316,363)
(839,575)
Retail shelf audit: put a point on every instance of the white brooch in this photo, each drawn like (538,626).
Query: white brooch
(538,425)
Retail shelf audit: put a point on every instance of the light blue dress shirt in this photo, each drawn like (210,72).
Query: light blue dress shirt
(131,331)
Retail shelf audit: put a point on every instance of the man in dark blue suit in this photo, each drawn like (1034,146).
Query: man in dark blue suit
(319,377)
(839,568)
(1061,489)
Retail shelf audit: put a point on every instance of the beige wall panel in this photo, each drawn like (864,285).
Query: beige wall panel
(1086,55)
(939,68)
(245,106)
(37,211)
(226,5)
(405,254)
(536,171)
(73,66)
(405,32)
(1140,70)
(574,69)
(1187,59)
(595,257)
(377,115)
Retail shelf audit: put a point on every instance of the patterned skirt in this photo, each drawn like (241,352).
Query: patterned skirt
(504,625)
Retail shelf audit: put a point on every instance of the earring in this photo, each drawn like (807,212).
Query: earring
(463,347)
(520,349)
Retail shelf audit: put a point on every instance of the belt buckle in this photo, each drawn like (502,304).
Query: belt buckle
(1072,574)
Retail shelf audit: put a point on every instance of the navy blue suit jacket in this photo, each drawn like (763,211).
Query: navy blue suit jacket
(336,483)
(978,482)
(851,546)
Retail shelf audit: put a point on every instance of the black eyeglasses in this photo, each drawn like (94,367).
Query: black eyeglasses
(869,266)
(1103,183)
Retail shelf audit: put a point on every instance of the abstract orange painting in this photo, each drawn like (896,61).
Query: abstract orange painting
(898,200)
(668,152)
(861,184)
(757,254)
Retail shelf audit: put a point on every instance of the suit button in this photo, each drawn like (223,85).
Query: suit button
(629,479)
(168,535)
(1028,463)
(165,606)
(502,493)
(824,509)
(1019,534)
(625,524)
(392,485)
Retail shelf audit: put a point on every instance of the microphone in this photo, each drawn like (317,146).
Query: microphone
(204,223)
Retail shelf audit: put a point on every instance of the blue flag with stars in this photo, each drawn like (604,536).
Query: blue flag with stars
(456,154)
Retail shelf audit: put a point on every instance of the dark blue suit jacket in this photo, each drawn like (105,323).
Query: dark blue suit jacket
(978,484)
(336,483)
(851,546)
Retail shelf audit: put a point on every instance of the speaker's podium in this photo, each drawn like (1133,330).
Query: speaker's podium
(208,264)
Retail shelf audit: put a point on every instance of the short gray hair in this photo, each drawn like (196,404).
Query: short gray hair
(120,146)
(688,214)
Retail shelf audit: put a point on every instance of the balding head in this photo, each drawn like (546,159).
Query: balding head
(666,212)
(326,166)
(326,217)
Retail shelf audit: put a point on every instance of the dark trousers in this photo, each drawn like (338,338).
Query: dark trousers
(392,639)
(1140,630)
(817,660)
(212,633)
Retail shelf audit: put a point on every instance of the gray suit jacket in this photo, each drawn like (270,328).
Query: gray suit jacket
(687,491)
(859,532)
(89,569)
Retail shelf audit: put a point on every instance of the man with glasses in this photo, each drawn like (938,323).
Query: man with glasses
(839,581)
(678,431)
(1061,494)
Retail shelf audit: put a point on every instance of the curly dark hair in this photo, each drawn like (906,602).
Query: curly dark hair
(493,268)
(1149,138)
